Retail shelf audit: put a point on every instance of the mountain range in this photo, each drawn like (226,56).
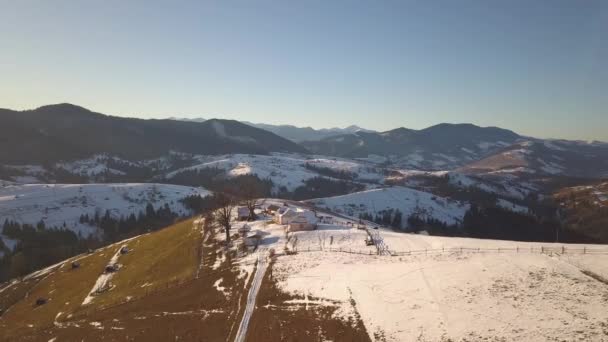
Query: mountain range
(294,133)
(66,132)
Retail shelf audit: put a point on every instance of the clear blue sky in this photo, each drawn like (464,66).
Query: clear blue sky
(537,67)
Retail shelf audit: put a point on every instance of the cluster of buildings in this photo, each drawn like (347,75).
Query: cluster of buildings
(296,219)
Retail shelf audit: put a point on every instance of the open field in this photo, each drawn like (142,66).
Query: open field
(457,296)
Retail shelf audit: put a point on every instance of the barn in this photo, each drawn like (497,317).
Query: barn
(242,213)
(303,220)
(284,215)
(272,209)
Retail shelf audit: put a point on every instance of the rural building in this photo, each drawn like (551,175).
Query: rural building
(272,209)
(284,215)
(242,213)
(303,220)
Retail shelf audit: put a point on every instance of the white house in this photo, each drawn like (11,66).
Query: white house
(303,220)
(283,215)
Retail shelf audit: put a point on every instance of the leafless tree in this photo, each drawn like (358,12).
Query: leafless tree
(249,194)
(223,215)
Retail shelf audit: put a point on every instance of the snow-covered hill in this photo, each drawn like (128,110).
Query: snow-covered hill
(325,284)
(408,201)
(59,204)
(285,170)
(500,184)
(546,158)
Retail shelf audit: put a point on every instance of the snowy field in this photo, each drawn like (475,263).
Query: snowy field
(408,201)
(458,296)
(288,170)
(496,295)
(59,203)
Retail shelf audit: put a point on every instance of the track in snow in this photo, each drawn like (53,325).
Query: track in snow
(252,296)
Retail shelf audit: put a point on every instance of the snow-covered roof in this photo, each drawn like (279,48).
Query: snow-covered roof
(304,216)
(286,211)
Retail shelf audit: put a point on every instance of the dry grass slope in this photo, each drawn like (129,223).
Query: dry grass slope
(64,288)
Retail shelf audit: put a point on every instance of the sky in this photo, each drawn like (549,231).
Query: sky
(539,68)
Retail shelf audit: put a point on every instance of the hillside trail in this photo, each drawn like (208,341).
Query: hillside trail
(262,265)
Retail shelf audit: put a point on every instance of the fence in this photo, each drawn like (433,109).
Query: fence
(336,250)
(451,250)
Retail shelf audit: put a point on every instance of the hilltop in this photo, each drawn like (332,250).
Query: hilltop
(181,282)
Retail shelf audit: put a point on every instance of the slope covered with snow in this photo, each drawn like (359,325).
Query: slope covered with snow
(408,201)
(288,170)
(57,204)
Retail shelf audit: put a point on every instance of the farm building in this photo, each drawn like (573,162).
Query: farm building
(242,213)
(283,215)
(303,220)
(272,209)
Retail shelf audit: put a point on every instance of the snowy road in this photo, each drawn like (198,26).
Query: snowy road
(251,297)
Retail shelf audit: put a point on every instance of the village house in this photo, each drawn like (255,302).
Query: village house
(303,220)
(242,214)
(272,209)
(283,214)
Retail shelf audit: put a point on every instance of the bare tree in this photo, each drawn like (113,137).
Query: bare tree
(249,193)
(223,215)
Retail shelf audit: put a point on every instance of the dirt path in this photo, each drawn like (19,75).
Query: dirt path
(251,297)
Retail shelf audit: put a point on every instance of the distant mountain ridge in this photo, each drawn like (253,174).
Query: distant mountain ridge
(294,133)
(435,147)
(300,134)
(67,132)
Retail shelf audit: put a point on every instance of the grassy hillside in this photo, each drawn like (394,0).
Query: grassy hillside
(154,295)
